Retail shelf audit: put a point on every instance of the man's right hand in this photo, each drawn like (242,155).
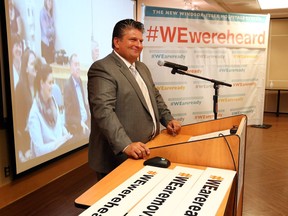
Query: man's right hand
(137,150)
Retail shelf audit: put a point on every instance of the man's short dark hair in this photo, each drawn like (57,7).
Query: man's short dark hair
(122,25)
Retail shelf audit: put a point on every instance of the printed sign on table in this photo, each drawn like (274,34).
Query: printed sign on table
(207,193)
(120,200)
(168,193)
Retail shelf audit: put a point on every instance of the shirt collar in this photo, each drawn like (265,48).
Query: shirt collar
(76,83)
(128,64)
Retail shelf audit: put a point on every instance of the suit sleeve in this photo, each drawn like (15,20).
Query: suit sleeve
(164,112)
(70,104)
(102,91)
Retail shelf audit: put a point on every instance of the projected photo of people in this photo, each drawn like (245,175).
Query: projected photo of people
(94,50)
(51,46)
(15,19)
(45,126)
(17,51)
(24,95)
(77,113)
(47,31)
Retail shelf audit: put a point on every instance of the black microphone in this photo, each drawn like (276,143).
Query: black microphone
(172,65)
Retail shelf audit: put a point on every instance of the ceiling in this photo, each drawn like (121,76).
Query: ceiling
(234,6)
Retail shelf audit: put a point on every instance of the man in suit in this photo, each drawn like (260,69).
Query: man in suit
(124,114)
(77,115)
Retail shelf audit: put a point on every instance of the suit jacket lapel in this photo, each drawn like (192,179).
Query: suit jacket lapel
(149,87)
(127,73)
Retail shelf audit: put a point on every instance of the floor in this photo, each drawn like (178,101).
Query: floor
(266,173)
(265,191)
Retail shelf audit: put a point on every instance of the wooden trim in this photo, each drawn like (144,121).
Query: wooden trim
(31,182)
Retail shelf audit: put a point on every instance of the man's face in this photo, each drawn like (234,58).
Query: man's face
(75,67)
(130,45)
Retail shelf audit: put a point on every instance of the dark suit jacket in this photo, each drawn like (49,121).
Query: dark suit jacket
(72,107)
(119,114)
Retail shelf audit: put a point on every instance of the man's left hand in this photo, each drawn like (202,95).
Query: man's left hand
(174,127)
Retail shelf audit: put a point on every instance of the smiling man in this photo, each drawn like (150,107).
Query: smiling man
(126,108)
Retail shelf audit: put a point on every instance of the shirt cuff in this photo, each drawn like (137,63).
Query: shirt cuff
(125,148)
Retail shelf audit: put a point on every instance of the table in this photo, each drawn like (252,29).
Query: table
(278,97)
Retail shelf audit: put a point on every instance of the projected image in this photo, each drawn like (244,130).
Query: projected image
(51,47)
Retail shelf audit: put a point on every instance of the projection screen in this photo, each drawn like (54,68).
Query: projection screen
(57,39)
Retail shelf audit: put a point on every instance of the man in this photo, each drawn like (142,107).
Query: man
(121,121)
(77,114)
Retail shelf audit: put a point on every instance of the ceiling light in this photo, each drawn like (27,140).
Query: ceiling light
(275,4)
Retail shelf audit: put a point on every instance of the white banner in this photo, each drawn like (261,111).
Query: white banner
(207,193)
(120,200)
(168,194)
(226,47)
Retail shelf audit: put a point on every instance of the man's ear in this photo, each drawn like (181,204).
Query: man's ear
(116,42)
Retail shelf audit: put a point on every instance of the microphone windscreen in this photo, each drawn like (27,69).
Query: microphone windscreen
(160,63)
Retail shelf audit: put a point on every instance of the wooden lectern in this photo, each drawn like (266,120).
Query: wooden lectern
(222,151)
